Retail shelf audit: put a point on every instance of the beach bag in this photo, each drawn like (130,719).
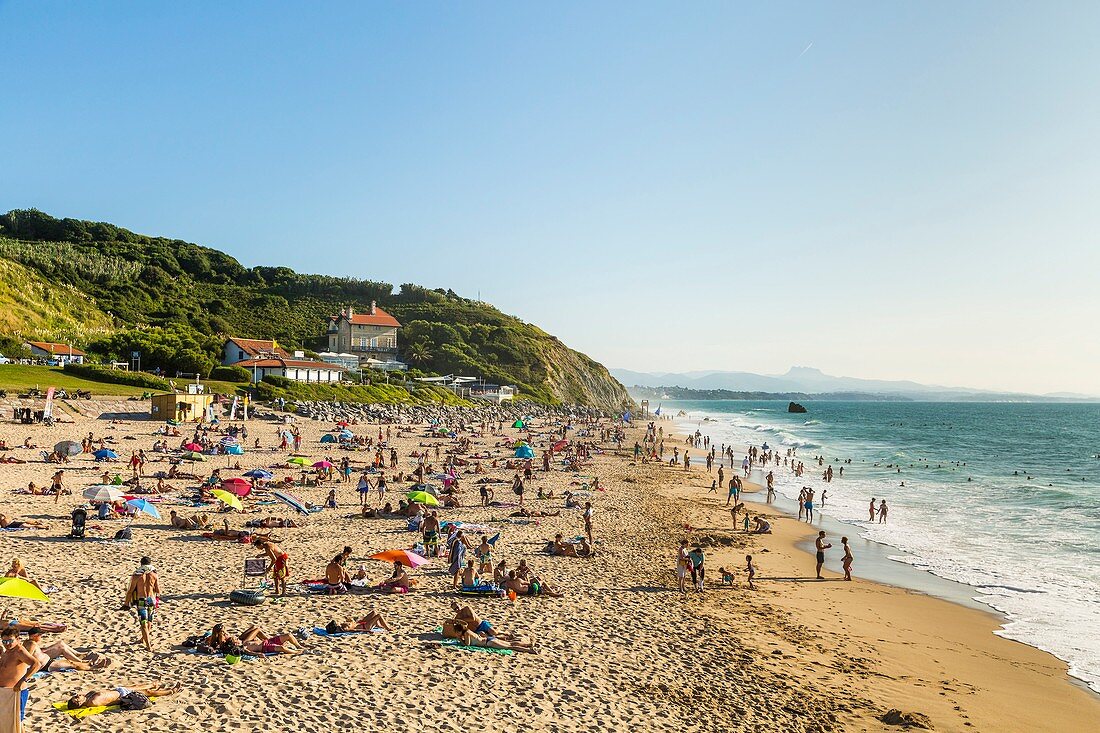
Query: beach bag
(124,534)
(134,700)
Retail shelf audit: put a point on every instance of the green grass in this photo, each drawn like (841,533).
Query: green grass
(20,377)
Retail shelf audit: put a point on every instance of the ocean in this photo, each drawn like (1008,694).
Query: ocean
(1004,497)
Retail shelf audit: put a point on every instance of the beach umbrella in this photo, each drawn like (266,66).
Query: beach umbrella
(237,486)
(347,434)
(20,588)
(328,438)
(322,464)
(342,424)
(68,448)
(103,454)
(405,557)
(235,450)
(298,461)
(194,457)
(229,440)
(561,444)
(103,492)
(194,447)
(259,473)
(226,498)
(524,451)
(144,506)
(422,497)
(291,501)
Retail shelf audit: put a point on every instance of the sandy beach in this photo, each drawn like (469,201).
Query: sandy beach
(622,650)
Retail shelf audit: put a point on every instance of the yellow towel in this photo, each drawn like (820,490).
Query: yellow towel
(86,712)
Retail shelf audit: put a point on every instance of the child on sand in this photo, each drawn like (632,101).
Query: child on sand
(751,570)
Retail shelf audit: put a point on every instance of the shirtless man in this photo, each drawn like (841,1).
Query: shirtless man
(821,546)
(280,563)
(534,588)
(17,666)
(470,578)
(144,590)
(57,485)
(431,533)
(847,561)
(466,615)
(97,698)
(588,520)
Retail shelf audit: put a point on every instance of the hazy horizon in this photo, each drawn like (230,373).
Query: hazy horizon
(899,192)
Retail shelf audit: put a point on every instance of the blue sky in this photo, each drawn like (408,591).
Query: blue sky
(874,189)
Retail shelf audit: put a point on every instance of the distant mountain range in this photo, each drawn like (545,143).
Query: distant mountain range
(814,381)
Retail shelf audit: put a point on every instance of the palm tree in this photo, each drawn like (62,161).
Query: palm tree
(419,353)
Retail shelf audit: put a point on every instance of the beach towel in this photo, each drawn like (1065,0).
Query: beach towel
(322,632)
(454,644)
(9,711)
(63,706)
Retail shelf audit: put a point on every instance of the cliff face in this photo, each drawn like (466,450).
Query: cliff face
(200,295)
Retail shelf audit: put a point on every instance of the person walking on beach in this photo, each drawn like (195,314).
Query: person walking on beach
(847,561)
(144,594)
(882,510)
(872,510)
(683,565)
(17,667)
(821,546)
(58,486)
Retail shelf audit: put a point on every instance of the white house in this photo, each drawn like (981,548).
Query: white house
(261,357)
(62,353)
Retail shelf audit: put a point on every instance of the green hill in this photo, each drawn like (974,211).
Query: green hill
(177,301)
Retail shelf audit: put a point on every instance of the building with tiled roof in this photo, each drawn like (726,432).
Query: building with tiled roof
(61,353)
(369,335)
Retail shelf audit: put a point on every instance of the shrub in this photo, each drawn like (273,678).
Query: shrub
(98,373)
(232,373)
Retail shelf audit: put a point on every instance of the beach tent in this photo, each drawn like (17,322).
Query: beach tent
(524,451)
(105,455)
(235,450)
(518,424)
(328,438)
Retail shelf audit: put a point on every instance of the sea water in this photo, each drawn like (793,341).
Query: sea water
(1004,497)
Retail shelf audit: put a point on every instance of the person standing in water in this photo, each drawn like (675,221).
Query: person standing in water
(882,510)
(872,510)
(847,561)
(821,546)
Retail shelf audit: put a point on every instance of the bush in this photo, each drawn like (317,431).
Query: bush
(98,373)
(232,373)
(280,382)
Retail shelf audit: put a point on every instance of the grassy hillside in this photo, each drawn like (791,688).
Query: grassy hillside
(176,301)
(17,378)
(30,305)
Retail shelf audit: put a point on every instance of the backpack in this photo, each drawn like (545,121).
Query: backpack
(134,700)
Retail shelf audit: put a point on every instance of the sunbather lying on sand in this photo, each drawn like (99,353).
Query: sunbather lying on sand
(469,637)
(466,615)
(96,698)
(195,521)
(535,513)
(372,620)
(61,654)
(257,641)
(272,523)
(13,523)
(535,587)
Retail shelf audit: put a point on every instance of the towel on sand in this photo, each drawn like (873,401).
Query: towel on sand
(63,706)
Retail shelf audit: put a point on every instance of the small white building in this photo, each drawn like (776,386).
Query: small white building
(61,353)
(262,357)
(300,370)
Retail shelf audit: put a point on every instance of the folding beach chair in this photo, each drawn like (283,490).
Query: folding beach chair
(255,567)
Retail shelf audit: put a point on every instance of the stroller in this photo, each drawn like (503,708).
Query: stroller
(80,517)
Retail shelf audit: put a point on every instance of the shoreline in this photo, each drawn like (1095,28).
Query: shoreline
(892,600)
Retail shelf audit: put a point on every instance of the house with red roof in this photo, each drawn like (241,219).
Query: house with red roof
(262,357)
(61,353)
(368,335)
